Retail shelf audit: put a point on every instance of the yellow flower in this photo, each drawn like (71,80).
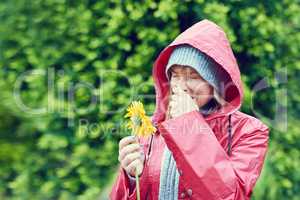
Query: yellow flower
(139,123)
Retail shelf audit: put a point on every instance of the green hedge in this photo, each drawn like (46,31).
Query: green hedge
(68,53)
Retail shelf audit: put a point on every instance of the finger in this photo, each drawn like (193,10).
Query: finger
(131,148)
(175,97)
(178,90)
(174,112)
(175,89)
(172,97)
(131,168)
(172,86)
(173,103)
(131,157)
(127,140)
(128,149)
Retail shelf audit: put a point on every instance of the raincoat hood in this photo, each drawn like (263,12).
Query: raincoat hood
(210,39)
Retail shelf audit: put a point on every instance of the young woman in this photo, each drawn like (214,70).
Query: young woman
(204,147)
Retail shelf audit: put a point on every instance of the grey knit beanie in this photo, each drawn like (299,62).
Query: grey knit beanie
(203,64)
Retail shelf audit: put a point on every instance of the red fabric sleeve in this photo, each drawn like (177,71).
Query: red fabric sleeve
(205,166)
(121,188)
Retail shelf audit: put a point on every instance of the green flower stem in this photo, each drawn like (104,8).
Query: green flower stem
(137,181)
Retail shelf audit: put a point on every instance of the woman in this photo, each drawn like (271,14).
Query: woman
(204,148)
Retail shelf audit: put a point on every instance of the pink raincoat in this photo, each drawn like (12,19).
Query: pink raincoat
(219,156)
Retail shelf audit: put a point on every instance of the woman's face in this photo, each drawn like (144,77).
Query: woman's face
(191,82)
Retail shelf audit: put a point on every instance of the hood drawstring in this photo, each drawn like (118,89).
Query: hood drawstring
(149,148)
(229,135)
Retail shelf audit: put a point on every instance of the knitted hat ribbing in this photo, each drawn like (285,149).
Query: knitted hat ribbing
(207,68)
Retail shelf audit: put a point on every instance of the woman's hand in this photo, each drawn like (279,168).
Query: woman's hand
(131,155)
(181,102)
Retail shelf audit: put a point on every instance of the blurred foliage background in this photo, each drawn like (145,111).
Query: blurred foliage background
(73,62)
